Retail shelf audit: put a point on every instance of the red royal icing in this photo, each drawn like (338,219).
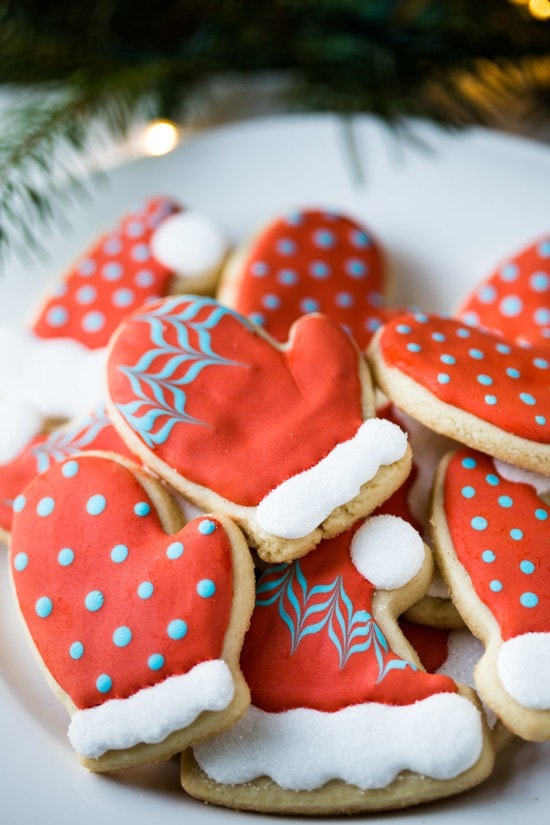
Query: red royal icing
(93,433)
(311,643)
(149,582)
(114,277)
(430,643)
(515,299)
(500,531)
(314,261)
(252,414)
(497,381)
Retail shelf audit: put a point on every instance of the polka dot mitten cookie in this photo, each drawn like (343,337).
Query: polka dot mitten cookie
(280,437)
(343,719)
(137,621)
(491,536)
(310,261)
(468,384)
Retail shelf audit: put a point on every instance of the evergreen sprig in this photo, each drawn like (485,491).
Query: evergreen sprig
(100,61)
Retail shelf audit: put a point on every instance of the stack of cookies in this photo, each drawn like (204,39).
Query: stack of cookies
(355,619)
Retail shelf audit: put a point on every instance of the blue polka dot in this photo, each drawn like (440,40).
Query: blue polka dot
(155,661)
(144,278)
(43,607)
(443,378)
(70,469)
(479,523)
(19,503)
(259,269)
(140,252)
(540,282)
(135,229)
(471,318)
(541,316)
(462,332)
(541,514)
(495,585)
(529,599)
(359,238)
(112,271)
(119,553)
(309,305)
(540,419)
(142,508)
(122,636)
(491,400)
(421,317)
(512,372)
(509,272)
(323,238)
(86,295)
(485,380)
(541,363)
(527,567)
(511,306)
(504,349)
(257,318)
(544,249)
(476,353)
(287,277)
(403,329)
(286,247)
(468,492)
(104,683)
(488,556)
(516,534)
(372,324)
(86,267)
(414,347)
(296,219)
(206,588)
(145,590)
(96,505)
(487,294)
(57,316)
(20,562)
(469,463)
(344,300)
(206,527)
(492,479)
(439,337)
(271,301)
(175,550)
(319,270)
(527,398)
(505,501)
(45,506)
(93,321)
(123,298)
(448,359)
(355,268)
(76,650)
(177,629)
(113,246)
(65,557)
(94,600)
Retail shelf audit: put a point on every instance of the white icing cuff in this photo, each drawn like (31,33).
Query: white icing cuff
(387,551)
(304,501)
(523,665)
(189,244)
(19,423)
(365,745)
(152,713)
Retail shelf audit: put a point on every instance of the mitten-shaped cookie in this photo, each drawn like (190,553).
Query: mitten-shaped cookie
(137,621)
(515,299)
(273,435)
(342,719)
(309,261)
(468,384)
(491,537)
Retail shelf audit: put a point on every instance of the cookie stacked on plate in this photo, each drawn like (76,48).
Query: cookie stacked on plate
(310,423)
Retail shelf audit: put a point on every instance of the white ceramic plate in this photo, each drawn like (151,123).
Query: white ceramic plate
(446,214)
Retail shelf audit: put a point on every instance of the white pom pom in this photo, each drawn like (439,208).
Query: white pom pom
(387,551)
(190,245)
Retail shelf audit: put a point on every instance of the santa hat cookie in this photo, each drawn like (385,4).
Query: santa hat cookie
(515,299)
(137,621)
(468,384)
(490,537)
(309,261)
(278,437)
(342,717)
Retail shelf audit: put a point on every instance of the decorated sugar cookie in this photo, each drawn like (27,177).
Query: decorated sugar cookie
(137,621)
(310,261)
(515,299)
(343,718)
(491,537)
(241,425)
(468,384)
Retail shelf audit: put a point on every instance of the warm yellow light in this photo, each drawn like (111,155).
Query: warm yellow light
(519,2)
(540,9)
(160,137)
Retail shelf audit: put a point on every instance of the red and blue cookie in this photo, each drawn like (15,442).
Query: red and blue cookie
(343,718)
(491,535)
(242,425)
(137,621)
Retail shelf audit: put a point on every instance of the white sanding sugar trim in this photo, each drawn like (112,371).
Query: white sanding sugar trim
(304,501)
(387,551)
(523,665)
(152,713)
(365,745)
(19,423)
(510,472)
(58,377)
